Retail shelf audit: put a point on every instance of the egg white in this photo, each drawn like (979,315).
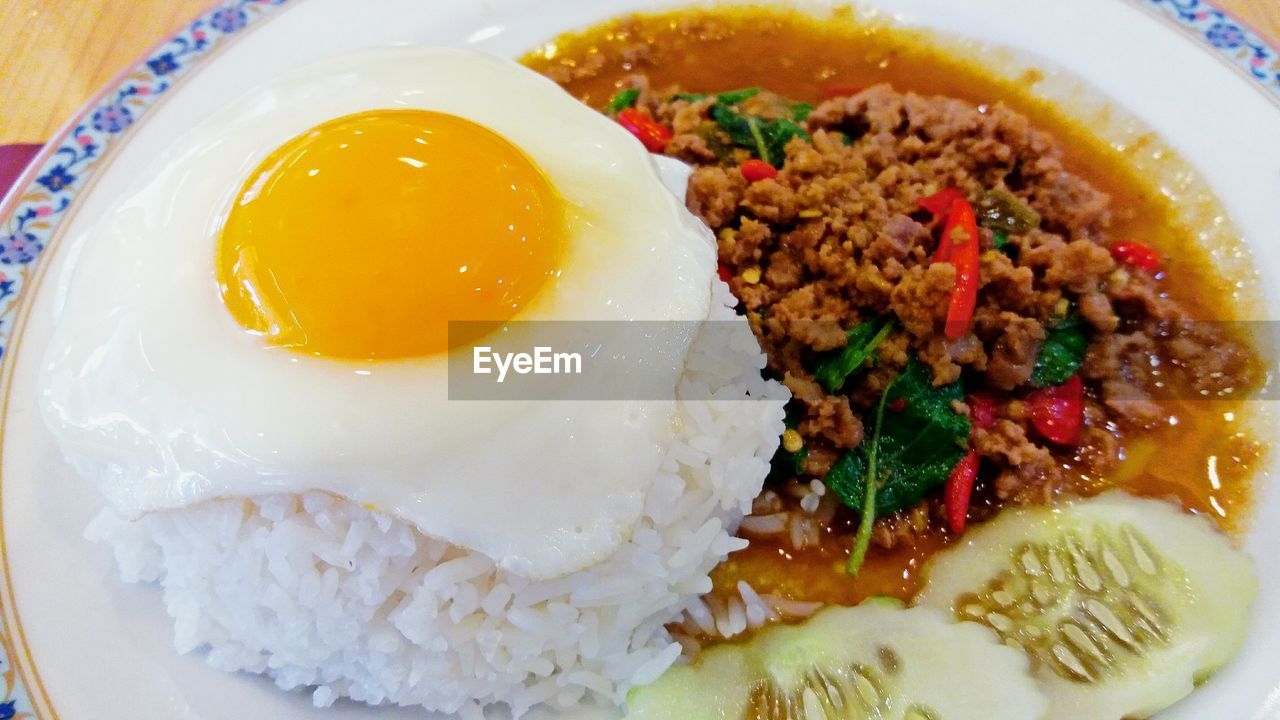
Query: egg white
(156,392)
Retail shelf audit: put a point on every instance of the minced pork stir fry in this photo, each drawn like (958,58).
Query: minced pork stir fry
(925,271)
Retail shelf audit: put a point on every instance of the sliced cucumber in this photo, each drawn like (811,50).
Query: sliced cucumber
(1123,604)
(875,661)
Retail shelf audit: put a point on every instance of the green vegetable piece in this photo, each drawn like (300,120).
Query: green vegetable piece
(918,446)
(1002,212)
(766,139)
(835,369)
(757,138)
(734,124)
(1004,245)
(800,111)
(733,97)
(777,134)
(1124,604)
(622,101)
(1062,352)
(785,465)
(862,541)
(714,139)
(876,660)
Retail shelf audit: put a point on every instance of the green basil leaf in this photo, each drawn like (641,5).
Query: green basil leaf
(863,338)
(733,97)
(766,139)
(1062,352)
(777,133)
(918,447)
(1003,244)
(786,465)
(714,139)
(758,139)
(871,487)
(734,125)
(622,101)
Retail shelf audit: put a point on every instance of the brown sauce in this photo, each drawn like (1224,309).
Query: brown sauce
(1205,460)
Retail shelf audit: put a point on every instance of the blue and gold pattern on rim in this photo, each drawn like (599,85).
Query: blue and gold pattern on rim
(1236,43)
(40,206)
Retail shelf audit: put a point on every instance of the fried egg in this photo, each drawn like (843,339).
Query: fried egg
(266,310)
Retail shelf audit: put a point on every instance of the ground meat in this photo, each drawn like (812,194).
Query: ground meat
(688,117)
(1009,287)
(1124,365)
(1215,365)
(904,528)
(811,317)
(896,239)
(771,202)
(714,193)
(818,460)
(838,238)
(832,419)
(1077,265)
(690,148)
(1013,356)
(1027,464)
(1095,308)
(946,357)
(1100,443)
(920,298)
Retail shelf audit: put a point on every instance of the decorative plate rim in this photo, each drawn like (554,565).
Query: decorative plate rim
(37,203)
(31,212)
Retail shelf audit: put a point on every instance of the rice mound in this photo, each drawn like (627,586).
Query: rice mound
(321,593)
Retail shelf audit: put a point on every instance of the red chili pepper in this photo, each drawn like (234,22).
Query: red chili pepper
(835,91)
(1137,254)
(723,271)
(943,253)
(959,489)
(654,136)
(754,170)
(961,233)
(898,405)
(1057,411)
(940,203)
(982,410)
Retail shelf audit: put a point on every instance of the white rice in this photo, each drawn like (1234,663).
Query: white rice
(798,522)
(712,618)
(800,526)
(320,593)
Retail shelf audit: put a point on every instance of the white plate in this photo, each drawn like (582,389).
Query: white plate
(88,646)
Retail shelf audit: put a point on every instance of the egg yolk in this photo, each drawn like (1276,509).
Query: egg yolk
(363,237)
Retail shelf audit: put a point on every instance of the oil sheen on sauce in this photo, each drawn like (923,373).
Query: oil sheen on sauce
(1204,459)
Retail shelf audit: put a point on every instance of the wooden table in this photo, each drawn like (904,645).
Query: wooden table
(54,54)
